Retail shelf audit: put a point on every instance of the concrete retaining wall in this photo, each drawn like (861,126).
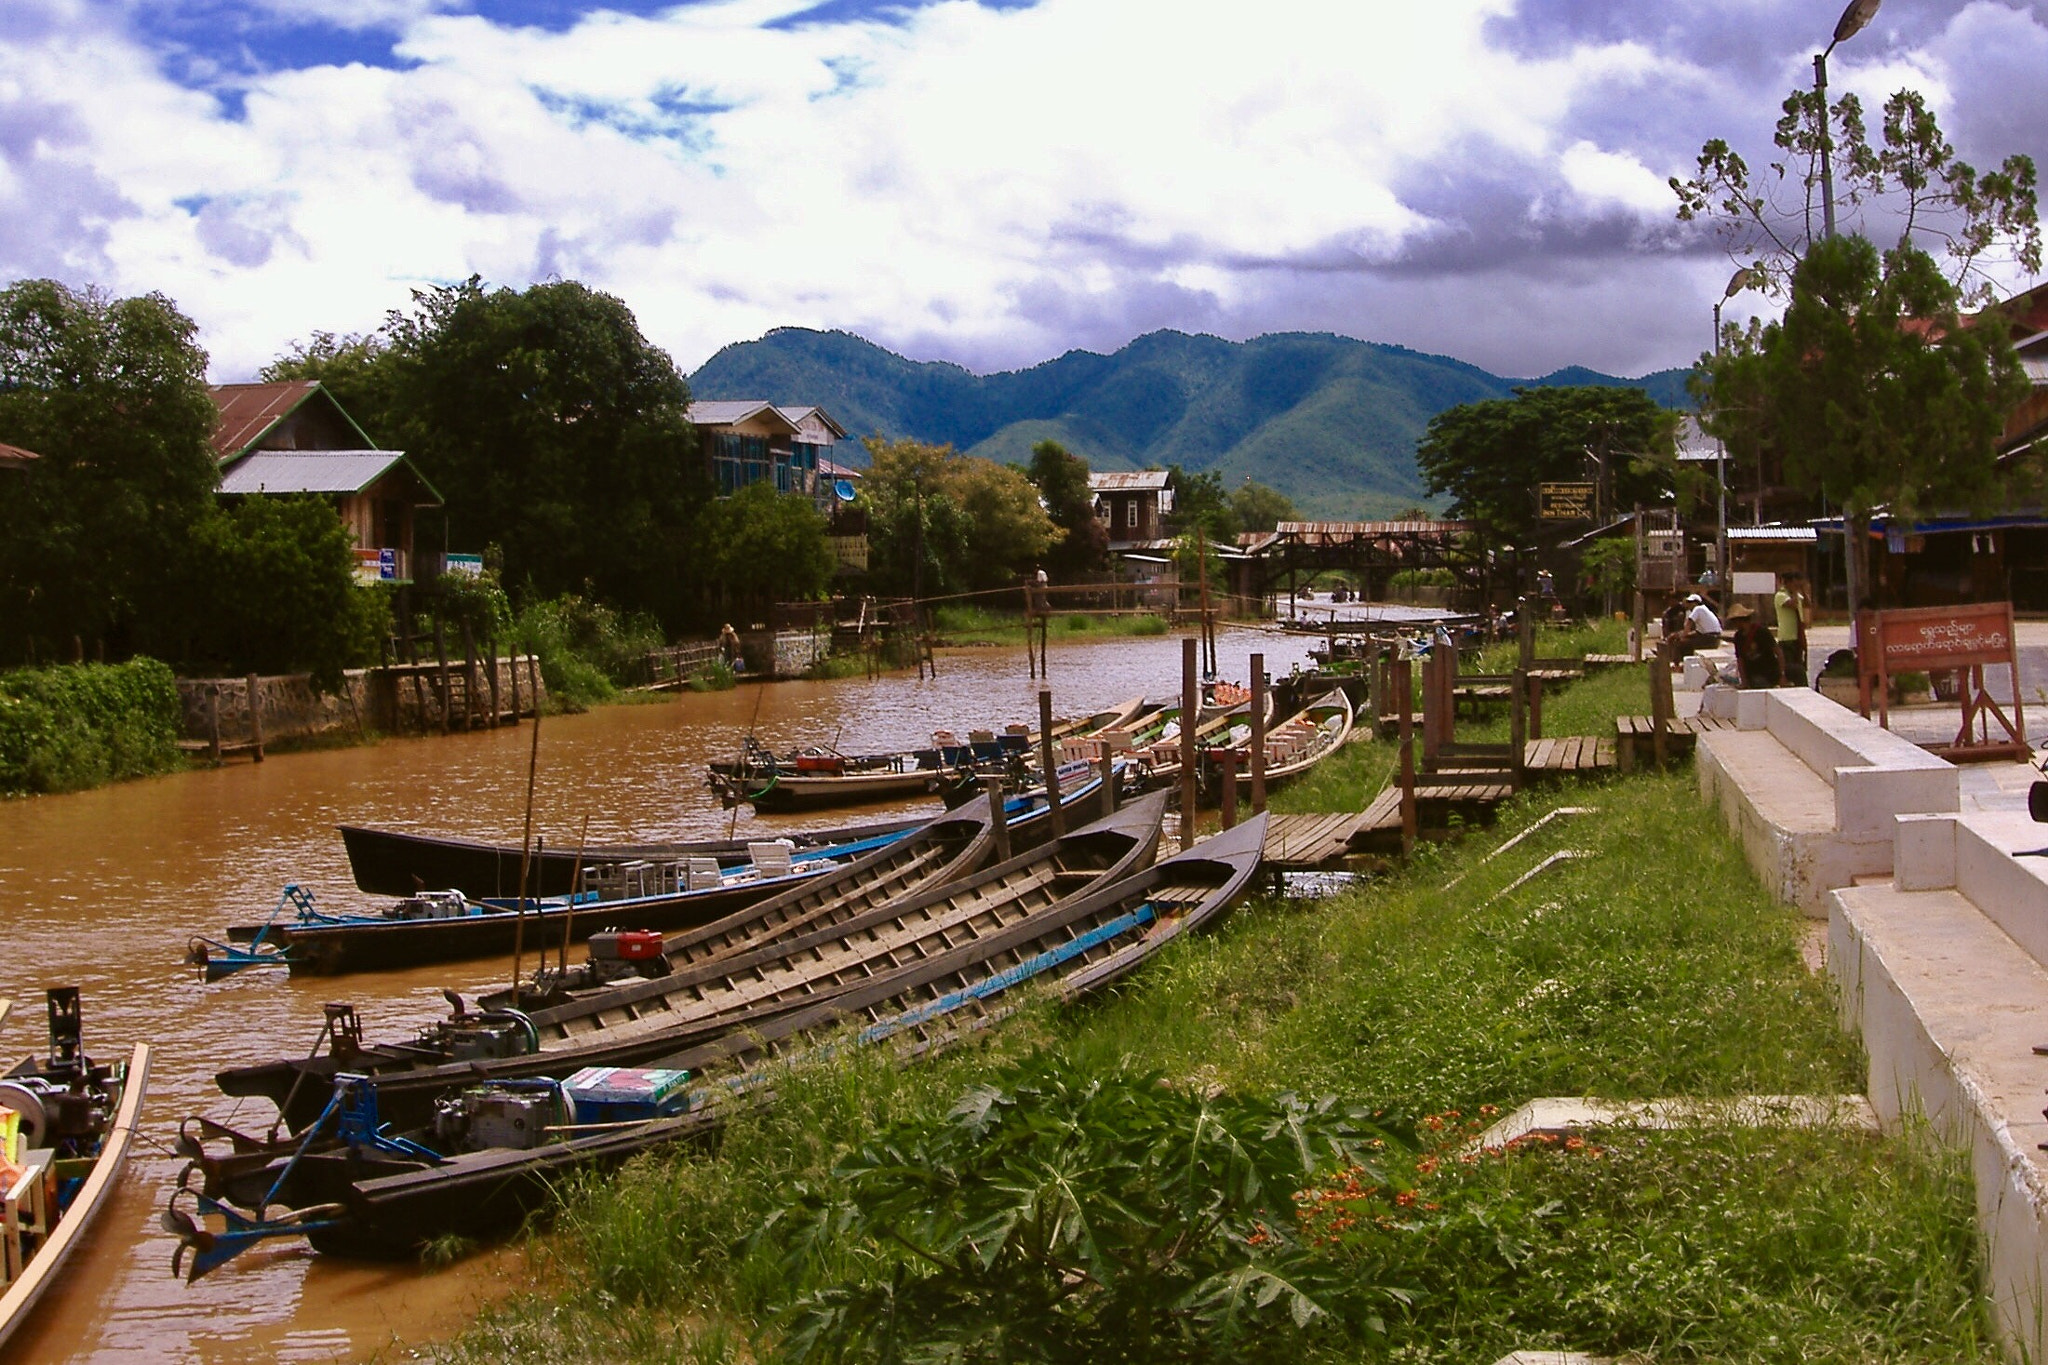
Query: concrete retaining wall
(369,699)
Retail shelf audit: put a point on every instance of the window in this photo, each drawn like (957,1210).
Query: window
(1131,514)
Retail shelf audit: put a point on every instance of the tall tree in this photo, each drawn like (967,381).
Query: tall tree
(1872,387)
(1061,478)
(761,547)
(941,522)
(359,370)
(557,432)
(112,394)
(1200,506)
(1259,508)
(1490,456)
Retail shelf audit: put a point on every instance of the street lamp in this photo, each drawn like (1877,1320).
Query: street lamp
(1746,278)
(1852,22)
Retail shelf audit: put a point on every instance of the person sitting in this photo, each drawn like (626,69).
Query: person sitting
(1702,629)
(1756,652)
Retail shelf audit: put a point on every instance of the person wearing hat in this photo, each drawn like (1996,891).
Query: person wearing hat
(1756,653)
(1702,628)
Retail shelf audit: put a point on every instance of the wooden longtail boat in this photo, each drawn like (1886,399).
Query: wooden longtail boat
(815,780)
(1293,747)
(390,862)
(68,1120)
(383,1196)
(793,950)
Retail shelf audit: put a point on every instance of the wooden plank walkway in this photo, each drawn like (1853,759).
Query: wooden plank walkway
(1568,754)
(1636,736)
(1300,843)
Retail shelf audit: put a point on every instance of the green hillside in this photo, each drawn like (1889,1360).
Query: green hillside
(1330,421)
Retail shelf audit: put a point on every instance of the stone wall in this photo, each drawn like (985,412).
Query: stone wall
(369,699)
(783,653)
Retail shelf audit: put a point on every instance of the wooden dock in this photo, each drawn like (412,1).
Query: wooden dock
(1310,843)
(1568,754)
(1636,736)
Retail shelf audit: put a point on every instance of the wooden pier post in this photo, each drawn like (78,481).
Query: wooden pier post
(1402,674)
(1432,716)
(497,710)
(1661,705)
(998,819)
(213,722)
(256,715)
(1535,708)
(1190,717)
(447,690)
(1258,734)
(1047,760)
(533,683)
(1518,721)
(1226,767)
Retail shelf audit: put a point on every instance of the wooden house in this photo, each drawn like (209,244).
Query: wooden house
(292,437)
(1133,505)
(747,441)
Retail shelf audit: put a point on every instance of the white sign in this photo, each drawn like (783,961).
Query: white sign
(1757,583)
(467,566)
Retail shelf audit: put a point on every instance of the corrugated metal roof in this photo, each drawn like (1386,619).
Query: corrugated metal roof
(1353,529)
(249,410)
(1128,481)
(311,471)
(832,469)
(722,412)
(795,417)
(1784,535)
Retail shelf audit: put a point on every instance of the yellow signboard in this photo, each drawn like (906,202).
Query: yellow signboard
(1564,501)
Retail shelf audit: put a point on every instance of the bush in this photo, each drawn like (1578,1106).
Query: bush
(587,650)
(77,726)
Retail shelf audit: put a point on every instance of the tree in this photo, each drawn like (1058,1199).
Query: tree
(940,522)
(763,547)
(554,429)
(1913,180)
(1062,482)
(1490,456)
(1872,388)
(359,371)
(111,393)
(278,578)
(1201,506)
(1259,508)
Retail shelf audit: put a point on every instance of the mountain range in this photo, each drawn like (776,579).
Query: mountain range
(1328,420)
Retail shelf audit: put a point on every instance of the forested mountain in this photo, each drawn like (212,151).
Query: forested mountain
(1329,421)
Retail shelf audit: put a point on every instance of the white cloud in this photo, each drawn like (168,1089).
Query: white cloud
(992,185)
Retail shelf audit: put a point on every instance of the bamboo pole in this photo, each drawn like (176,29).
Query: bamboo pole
(525,858)
(575,885)
(1046,760)
(1190,717)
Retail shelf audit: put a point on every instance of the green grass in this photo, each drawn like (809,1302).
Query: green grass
(964,624)
(1654,966)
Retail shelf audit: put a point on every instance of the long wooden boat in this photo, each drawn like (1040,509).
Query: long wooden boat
(732,974)
(1294,746)
(391,862)
(819,779)
(73,1123)
(389,1196)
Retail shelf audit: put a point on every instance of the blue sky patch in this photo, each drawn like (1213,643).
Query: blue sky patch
(873,11)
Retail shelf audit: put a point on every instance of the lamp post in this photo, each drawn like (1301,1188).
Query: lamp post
(1852,22)
(1858,14)
(1745,278)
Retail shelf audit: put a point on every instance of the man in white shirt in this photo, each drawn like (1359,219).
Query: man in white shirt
(1702,628)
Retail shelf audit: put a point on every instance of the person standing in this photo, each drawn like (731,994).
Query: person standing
(1756,654)
(1790,602)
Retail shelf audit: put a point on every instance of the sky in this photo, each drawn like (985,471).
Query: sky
(991,183)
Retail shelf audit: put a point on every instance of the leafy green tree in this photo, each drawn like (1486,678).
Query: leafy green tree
(763,547)
(1061,478)
(278,578)
(554,429)
(112,394)
(1259,508)
(359,370)
(940,522)
(1490,456)
(1912,179)
(1201,505)
(1872,388)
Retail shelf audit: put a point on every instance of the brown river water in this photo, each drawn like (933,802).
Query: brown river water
(102,889)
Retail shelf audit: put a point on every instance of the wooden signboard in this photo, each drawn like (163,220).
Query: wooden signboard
(1963,640)
(1564,501)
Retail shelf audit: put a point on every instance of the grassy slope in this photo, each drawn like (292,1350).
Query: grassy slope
(1653,966)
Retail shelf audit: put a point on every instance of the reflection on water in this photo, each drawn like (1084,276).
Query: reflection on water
(103,889)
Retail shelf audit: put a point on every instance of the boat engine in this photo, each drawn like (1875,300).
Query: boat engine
(430,905)
(484,1036)
(509,1116)
(616,954)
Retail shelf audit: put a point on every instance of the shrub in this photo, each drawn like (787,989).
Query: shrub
(71,727)
(587,650)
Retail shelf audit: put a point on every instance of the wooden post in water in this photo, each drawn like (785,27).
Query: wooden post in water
(256,714)
(213,722)
(525,858)
(1190,717)
(447,691)
(533,682)
(1258,734)
(998,818)
(1226,768)
(1046,760)
(1106,758)
(497,710)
